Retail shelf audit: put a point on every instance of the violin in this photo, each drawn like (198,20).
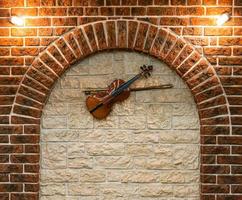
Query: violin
(100,104)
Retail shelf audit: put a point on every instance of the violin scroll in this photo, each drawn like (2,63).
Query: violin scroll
(146,70)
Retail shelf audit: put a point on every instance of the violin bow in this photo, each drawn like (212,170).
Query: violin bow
(89,91)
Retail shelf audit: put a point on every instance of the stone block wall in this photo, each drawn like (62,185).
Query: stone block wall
(147,148)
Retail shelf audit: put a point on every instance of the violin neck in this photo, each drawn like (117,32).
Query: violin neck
(132,80)
(126,84)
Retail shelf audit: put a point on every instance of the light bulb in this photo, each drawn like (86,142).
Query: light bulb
(18,21)
(222,19)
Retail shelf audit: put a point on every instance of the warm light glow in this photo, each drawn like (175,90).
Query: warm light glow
(18,21)
(222,19)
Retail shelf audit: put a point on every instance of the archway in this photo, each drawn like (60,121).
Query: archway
(90,38)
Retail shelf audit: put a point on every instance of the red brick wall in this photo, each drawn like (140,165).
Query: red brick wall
(181,33)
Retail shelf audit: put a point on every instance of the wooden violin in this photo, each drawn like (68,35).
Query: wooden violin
(100,104)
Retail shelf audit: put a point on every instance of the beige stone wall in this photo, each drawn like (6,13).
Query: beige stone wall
(148,148)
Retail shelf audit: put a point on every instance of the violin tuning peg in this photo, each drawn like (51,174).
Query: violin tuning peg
(150,67)
(149,74)
(141,67)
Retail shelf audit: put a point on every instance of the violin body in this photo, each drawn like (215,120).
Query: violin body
(100,104)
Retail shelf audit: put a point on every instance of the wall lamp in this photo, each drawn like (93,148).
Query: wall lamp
(17,20)
(221,19)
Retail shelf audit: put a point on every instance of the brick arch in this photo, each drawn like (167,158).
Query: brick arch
(161,43)
(90,38)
